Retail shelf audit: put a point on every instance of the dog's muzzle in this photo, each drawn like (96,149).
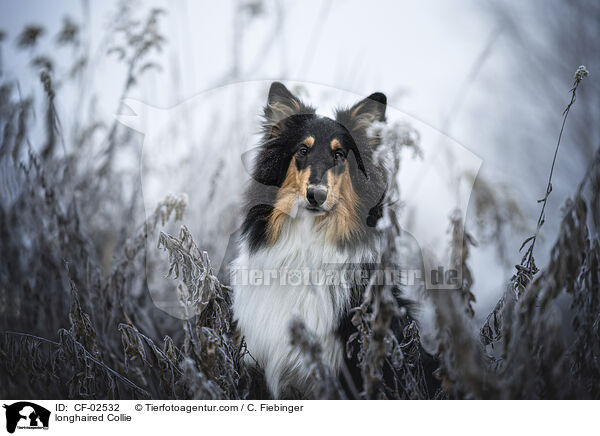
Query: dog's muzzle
(316,196)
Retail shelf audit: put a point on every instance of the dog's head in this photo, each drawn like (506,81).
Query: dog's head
(319,164)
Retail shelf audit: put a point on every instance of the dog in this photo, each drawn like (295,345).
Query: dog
(313,204)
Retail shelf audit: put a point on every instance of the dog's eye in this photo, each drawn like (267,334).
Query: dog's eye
(303,151)
(339,155)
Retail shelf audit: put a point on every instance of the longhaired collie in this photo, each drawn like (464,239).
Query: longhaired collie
(312,206)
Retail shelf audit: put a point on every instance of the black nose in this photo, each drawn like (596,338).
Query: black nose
(316,195)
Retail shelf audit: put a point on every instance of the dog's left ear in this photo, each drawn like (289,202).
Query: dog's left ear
(359,118)
(364,113)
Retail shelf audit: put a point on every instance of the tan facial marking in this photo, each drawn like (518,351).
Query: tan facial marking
(294,185)
(335,144)
(341,223)
(309,142)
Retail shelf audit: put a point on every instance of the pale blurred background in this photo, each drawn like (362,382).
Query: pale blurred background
(493,76)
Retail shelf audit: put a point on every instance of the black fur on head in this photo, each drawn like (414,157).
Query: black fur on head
(316,150)
(283,113)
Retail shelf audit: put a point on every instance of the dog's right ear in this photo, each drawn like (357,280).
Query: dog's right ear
(281,104)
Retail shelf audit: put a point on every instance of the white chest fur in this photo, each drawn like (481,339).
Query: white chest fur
(271,294)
